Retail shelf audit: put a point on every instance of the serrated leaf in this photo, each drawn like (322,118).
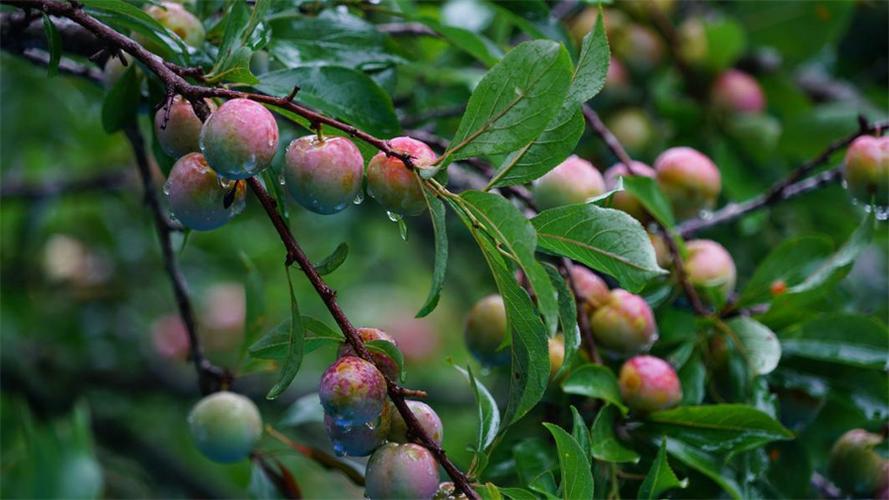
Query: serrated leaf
(705,464)
(858,341)
(567,319)
(389,349)
(605,445)
(121,103)
(646,190)
(594,381)
(437,214)
(333,261)
(609,241)
(514,101)
(660,477)
(577,474)
(760,345)
(294,355)
(54,44)
(592,66)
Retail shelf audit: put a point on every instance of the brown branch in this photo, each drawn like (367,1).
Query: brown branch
(323,459)
(613,144)
(406,29)
(105,181)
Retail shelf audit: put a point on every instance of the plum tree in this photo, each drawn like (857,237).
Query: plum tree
(323,174)
(486,330)
(177,19)
(383,362)
(589,286)
(198,197)
(624,323)
(239,139)
(426,416)
(401,471)
(391,182)
(623,200)
(689,179)
(648,384)
(575,180)
(358,440)
(633,129)
(225,426)
(855,466)
(734,91)
(182,132)
(711,269)
(866,169)
(352,391)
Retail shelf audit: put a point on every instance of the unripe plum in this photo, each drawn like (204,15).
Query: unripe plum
(183,130)
(710,269)
(384,363)
(401,471)
(649,384)
(617,79)
(359,440)
(240,139)
(661,251)
(623,200)
(556,347)
(589,286)
(426,416)
(735,91)
(633,129)
(689,179)
(575,180)
(855,466)
(175,18)
(323,175)
(624,324)
(693,45)
(198,196)
(486,330)
(352,391)
(391,182)
(866,169)
(639,47)
(225,426)
(645,8)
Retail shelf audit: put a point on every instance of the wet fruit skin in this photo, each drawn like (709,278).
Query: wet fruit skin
(225,426)
(624,324)
(855,466)
(183,129)
(383,362)
(709,266)
(486,330)
(737,92)
(649,384)
(589,286)
(401,471)
(323,175)
(425,415)
(623,200)
(175,18)
(866,169)
(239,139)
(689,179)
(391,182)
(352,391)
(197,199)
(575,180)
(358,440)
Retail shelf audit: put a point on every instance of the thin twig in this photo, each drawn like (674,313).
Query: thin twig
(406,29)
(103,182)
(323,459)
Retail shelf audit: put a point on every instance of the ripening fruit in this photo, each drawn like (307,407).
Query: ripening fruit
(645,8)
(661,251)
(486,330)
(633,129)
(323,175)
(623,200)
(737,92)
(649,384)
(170,338)
(391,182)
(401,471)
(693,45)
(352,391)
(855,466)
(689,179)
(384,363)
(866,169)
(240,139)
(589,286)
(624,324)
(575,180)
(617,79)
(710,269)
(175,18)
(198,197)
(556,347)
(225,426)
(615,21)
(183,131)
(426,416)
(639,47)
(359,440)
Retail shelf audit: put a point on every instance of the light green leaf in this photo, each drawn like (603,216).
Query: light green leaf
(294,356)
(389,349)
(577,474)
(760,345)
(646,190)
(605,443)
(594,381)
(121,103)
(591,68)
(581,432)
(706,465)
(333,261)
(54,44)
(660,477)
(488,413)
(567,319)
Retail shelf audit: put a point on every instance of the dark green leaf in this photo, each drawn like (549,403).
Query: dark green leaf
(706,465)
(567,319)
(474,44)
(605,443)
(791,262)
(518,494)
(294,356)
(594,381)
(121,103)
(488,413)
(333,261)
(54,44)
(577,475)
(533,458)
(581,432)
(437,214)
(120,13)
(759,345)
(660,477)
(591,68)
(389,349)
(846,339)
(645,190)
(693,376)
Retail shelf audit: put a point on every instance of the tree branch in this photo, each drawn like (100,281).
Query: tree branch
(11,189)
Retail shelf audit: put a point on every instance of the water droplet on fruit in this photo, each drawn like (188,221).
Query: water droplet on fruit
(225,184)
(371,426)
(394,217)
(338,448)
(359,198)
(166,188)
(173,218)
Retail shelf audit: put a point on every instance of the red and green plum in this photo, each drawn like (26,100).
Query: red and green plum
(177,19)
(352,391)
(575,180)
(556,348)
(384,363)
(689,179)
(866,169)
(710,269)
(735,91)
(426,416)
(633,128)
(225,426)
(589,286)
(358,440)
(239,139)
(649,384)
(198,196)
(486,330)
(624,323)
(398,471)
(391,182)
(183,129)
(323,175)
(623,200)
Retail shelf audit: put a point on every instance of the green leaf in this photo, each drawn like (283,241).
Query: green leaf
(340,92)
(389,349)
(474,44)
(304,410)
(518,494)
(858,341)
(333,261)
(706,465)
(693,376)
(791,262)
(120,13)
(581,432)
(605,443)
(437,214)
(660,477)
(606,240)
(121,103)
(592,66)
(488,413)
(577,474)
(514,101)
(567,318)
(275,343)
(760,345)
(725,43)
(533,457)
(54,44)
(646,190)
(722,427)
(594,381)
(294,355)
